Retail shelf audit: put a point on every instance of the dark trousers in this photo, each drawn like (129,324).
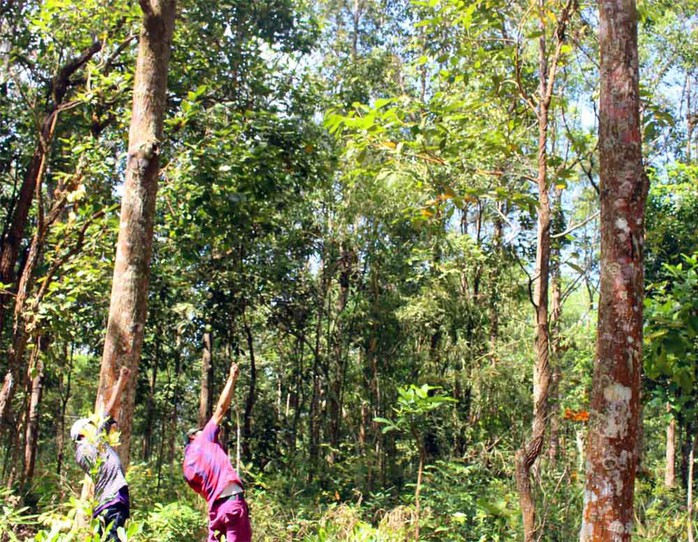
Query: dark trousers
(112,518)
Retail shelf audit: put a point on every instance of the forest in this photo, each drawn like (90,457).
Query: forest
(446,251)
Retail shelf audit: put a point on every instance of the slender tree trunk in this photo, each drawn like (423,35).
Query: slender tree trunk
(670,471)
(151,413)
(32,432)
(689,496)
(206,393)
(337,386)
(493,298)
(686,443)
(314,415)
(529,452)
(15,449)
(64,393)
(127,311)
(5,394)
(356,20)
(298,395)
(555,315)
(611,454)
(690,120)
(251,395)
(418,489)
(175,402)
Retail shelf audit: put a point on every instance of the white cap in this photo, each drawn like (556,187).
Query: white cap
(79,428)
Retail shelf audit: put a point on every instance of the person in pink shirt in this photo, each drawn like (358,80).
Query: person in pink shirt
(208,471)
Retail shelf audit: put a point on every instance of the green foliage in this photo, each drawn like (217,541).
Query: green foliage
(413,404)
(14,518)
(173,522)
(671,331)
(343,522)
(347,197)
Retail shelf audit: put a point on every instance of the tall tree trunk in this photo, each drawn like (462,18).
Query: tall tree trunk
(251,395)
(64,394)
(555,315)
(418,487)
(670,471)
(528,454)
(615,399)
(335,398)
(151,413)
(689,496)
(32,431)
(495,278)
(127,311)
(175,402)
(206,393)
(356,22)
(5,394)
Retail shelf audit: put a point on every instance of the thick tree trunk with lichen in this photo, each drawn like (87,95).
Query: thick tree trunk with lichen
(615,402)
(127,311)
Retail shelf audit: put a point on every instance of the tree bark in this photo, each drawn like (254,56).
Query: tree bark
(335,399)
(670,472)
(32,431)
(251,394)
(206,393)
(529,452)
(689,496)
(151,413)
(64,394)
(555,346)
(175,401)
(128,307)
(611,454)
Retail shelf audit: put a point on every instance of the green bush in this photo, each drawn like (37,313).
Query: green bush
(173,522)
(13,517)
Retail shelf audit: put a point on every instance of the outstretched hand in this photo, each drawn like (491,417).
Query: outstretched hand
(124,374)
(226,395)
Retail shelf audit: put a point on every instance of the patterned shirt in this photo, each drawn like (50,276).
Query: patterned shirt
(206,466)
(110,484)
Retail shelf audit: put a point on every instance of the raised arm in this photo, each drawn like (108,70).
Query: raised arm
(117,390)
(226,395)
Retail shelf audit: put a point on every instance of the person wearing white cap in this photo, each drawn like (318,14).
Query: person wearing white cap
(101,462)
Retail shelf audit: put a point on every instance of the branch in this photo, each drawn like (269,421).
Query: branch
(120,49)
(531,280)
(519,84)
(60,83)
(590,176)
(560,37)
(576,226)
